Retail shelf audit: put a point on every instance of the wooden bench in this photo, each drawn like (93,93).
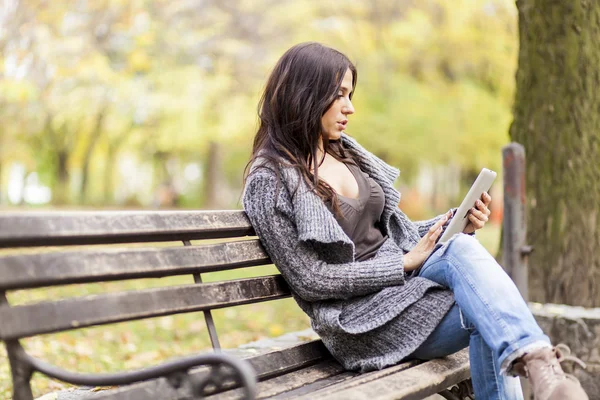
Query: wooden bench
(305,370)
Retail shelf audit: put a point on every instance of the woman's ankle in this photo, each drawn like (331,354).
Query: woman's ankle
(509,361)
(548,380)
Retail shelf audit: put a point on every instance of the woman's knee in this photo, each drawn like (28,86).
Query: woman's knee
(466,251)
(460,246)
(468,246)
(463,240)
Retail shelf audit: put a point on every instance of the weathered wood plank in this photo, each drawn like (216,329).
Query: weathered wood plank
(47,317)
(60,268)
(268,365)
(289,381)
(19,229)
(314,386)
(412,383)
(358,379)
(279,362)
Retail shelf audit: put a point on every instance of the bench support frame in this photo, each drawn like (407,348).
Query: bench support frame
(462,390)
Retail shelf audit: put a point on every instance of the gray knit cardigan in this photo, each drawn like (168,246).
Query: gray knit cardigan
(369,314)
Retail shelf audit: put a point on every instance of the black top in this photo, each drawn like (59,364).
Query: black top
(361,216)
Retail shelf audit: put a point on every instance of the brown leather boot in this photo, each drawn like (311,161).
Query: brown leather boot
(547,378)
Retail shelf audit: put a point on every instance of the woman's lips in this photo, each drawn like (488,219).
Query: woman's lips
(342,125)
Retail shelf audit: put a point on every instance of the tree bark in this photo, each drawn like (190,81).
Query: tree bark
(1,185)
(114,146)
(213,177)
(94,136)
(557,119)
(61,192)
(108,183)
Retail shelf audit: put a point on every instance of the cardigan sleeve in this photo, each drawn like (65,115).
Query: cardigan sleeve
(308,275)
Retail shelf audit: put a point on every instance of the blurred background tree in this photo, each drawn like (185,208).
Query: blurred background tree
(153,103)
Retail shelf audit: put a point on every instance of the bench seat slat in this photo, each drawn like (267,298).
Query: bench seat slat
(61,268)
(290,381)
(413,383)
(310,387)
(19,229)
(267,365)
(48,317)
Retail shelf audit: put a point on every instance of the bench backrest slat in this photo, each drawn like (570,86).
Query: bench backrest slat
(102,227)
(60,268)
(48,317)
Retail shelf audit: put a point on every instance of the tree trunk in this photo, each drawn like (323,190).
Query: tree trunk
(108,183)
(1,186)
(87,157)
(61,190)
(557,119)
(213,177)
(114,146)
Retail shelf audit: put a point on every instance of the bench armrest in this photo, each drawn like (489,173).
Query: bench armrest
(241,374)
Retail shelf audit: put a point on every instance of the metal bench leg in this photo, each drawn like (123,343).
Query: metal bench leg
(208,318)
(20,370)
(461,391)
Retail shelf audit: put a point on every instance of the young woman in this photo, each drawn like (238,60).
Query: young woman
(376,286)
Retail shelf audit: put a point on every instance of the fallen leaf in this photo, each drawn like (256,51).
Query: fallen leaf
(101,388)
(49,396)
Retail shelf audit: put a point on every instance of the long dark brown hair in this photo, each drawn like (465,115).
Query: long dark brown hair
(301,88)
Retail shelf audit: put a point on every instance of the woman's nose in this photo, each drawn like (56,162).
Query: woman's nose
(348,108)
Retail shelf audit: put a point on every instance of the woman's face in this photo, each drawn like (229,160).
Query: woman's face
(334,121)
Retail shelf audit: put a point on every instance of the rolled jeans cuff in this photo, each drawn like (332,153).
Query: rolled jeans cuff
(507,364)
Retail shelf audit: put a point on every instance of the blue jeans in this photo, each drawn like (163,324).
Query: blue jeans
(489,316)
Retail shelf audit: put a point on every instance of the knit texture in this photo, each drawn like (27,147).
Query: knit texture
(368,313)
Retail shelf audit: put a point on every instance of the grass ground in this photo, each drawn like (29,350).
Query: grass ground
(138,344)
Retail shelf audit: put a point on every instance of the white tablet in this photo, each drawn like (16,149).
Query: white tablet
(457,224)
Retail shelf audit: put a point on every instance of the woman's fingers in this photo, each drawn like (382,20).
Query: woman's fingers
(482,207)
(436,229)
(477,223)
(433,233)
(434,237)
(438,225)
(481,215)
(423,249)
(486,198)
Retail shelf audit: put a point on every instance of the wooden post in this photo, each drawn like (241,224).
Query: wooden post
(514,229)
(514,232)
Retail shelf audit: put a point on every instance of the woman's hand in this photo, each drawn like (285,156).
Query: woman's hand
(479,214)
(414,258)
